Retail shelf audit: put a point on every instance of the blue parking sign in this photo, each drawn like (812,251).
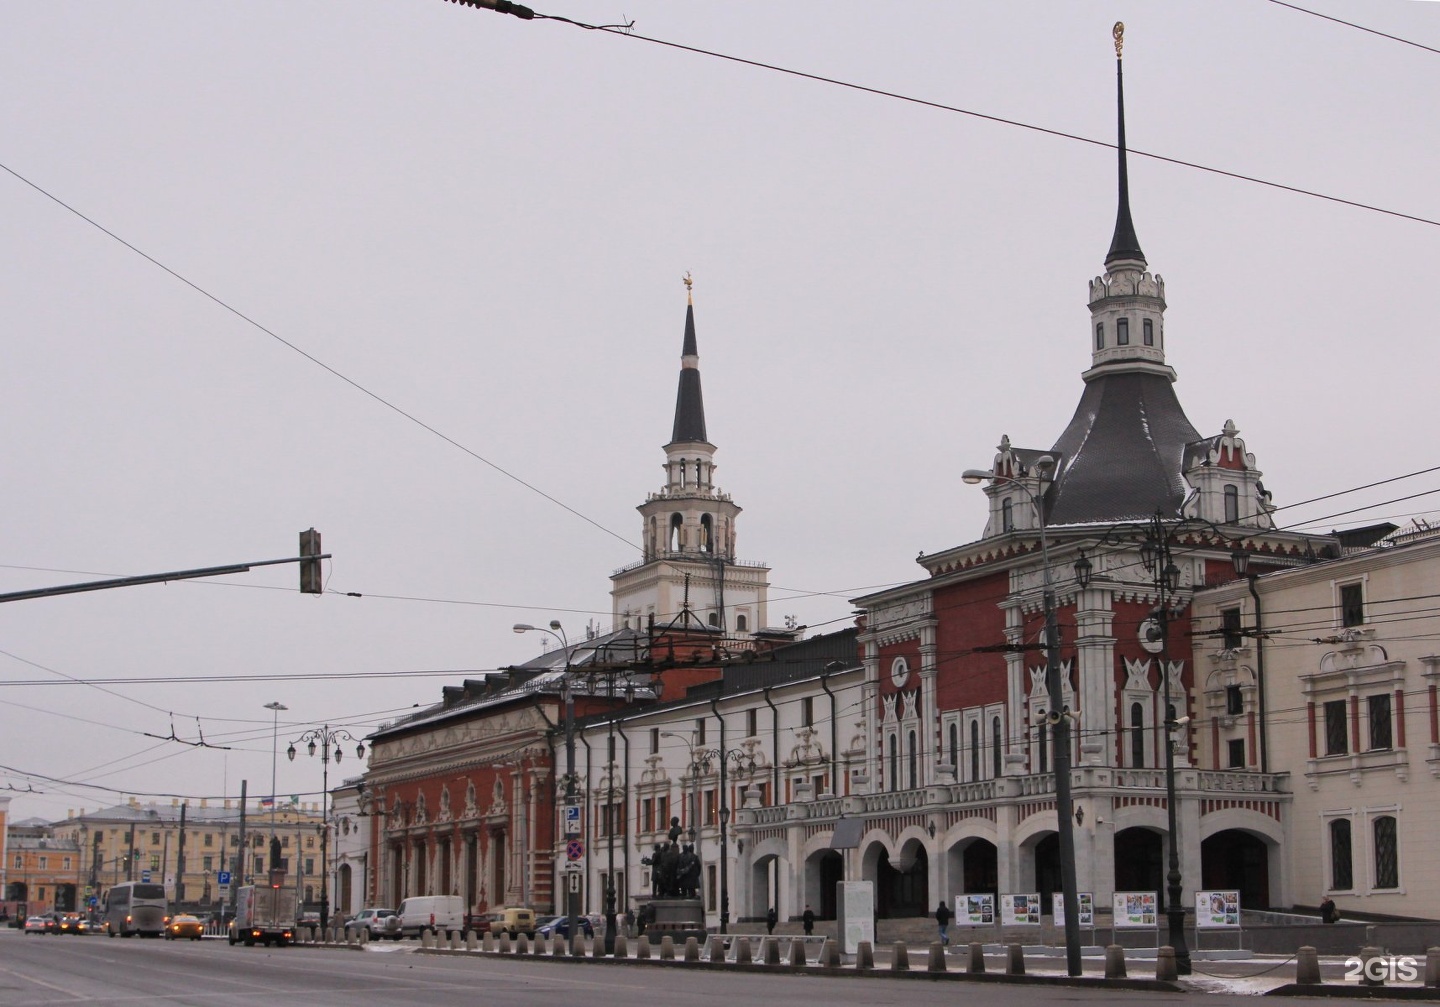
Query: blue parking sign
(222,877)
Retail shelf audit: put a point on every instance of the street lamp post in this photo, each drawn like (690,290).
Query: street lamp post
(744,764)
(328,739)
(558,631)
(1057,716)
(275,709)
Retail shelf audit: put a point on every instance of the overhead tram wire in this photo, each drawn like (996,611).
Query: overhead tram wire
(1357,27)
(625,31)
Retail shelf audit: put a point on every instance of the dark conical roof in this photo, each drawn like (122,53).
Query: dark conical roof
(689,403)
(1122,454)
(1124,245)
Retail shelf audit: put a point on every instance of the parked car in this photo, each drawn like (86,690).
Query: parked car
(182,926)
(439,914)
(512,920)
(559,926)
(381,923)
(40,925)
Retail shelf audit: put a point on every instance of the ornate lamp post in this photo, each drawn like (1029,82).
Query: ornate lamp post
(1058,718)
(328,741)
(558,632)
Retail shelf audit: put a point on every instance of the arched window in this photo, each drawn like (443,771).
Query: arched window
(676,523)
(913,757)
(1042,736)
(1137,735)
(742,624)
(707,534)
(894,762)
(955,748)
(714,620)
(974,749)
(1122,332)
(1007,515)
(1342,877)
(1232,504)
(684,472)
(1147,327)
(1099,335)
(1387,853)
(996,743)
(697,473)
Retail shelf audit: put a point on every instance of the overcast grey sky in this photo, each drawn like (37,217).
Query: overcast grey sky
(485,222)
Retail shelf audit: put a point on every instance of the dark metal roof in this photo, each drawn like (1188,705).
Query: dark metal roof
(1124,245)
(689,403)
(805,659)
(1122,454)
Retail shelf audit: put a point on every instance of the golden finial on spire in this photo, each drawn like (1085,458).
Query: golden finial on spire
(688,284)
(1118,34)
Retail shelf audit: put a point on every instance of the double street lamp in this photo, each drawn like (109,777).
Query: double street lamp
(1058,717)
(328,741)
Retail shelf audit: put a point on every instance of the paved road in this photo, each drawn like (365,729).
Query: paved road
(50,971)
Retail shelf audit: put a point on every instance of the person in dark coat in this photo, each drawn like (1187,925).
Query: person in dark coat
(809,920)
(1328,912)
(943,915)
(771,918)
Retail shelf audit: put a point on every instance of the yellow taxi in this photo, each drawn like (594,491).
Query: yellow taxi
(183,926)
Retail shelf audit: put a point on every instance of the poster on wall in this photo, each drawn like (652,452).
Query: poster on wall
(1217,909)
(1020,910)
(1087,908)
(975,910)
(1135,909)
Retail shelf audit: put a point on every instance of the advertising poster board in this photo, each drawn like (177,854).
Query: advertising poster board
(1134,910)
(1217,909)
(1020,910)
(1087,908)
(856,911)
(975,910)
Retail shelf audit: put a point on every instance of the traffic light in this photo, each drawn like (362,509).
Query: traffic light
(311,581)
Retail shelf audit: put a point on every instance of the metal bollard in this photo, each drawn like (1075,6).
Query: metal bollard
(977,958)
(1165,969)
(937,958)
(900,957)
(667,948)
(742,951)
(692,949)
(797,953)
(1114,961)
(1015,960)
(864,956)
(1307,966)
(770,951)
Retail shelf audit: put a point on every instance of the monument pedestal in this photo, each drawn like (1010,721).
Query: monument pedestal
(677,918)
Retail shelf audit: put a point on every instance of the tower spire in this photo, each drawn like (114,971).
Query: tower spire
(1125,245)
(689,403)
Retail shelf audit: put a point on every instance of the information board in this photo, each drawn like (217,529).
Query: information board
(1135,910)
(1020,910)
(1217,909)
(1087,908)
(975,910)
(855,902)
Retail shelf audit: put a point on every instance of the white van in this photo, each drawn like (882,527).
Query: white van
(441,914)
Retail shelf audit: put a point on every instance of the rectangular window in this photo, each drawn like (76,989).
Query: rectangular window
(1352,605)
(662,813)
(807,711)
(1234,700)
(1231,636)
(700,730)
(1379,709)
(65,864)
(654,741)
(1148,327)
(709,807)
(1099,335)
(1232,504)
(154,861)
(209,839)
(234,841)
(44,863)
(647,815)
(207,863)
(309,865)
(752,723)
(1122,332)
(1237,753)
(259,864)
(154,839)
(1387,858)
(309,842)
(1336,736)
(285,842)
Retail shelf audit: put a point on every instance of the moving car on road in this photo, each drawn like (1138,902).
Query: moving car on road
(184,926)
(559,926)
(40,925)
(381,923)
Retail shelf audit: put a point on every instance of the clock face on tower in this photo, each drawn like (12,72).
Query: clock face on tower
(899,672)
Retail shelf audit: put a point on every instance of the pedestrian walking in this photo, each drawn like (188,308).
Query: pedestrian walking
(1328,912)
(771,918)
(943,915)
(809,920)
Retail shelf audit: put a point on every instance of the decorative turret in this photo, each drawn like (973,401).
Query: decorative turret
(689,526)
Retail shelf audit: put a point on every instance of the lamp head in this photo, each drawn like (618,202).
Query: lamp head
(1241,559)
(290,752)
(555,625)
(1045,464)
(522,627)
(975,477)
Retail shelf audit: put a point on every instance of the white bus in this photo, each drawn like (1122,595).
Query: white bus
(135,907)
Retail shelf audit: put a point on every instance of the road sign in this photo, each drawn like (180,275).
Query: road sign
(572,819)
(574,850)
(575,883)
(144,877)
(222,877)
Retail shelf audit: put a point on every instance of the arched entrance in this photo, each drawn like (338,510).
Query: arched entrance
(903,892)
(1139,861)
(1047,869)
(823,870)
(975,866)
(344,890)
(765,874)
(1236,859)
